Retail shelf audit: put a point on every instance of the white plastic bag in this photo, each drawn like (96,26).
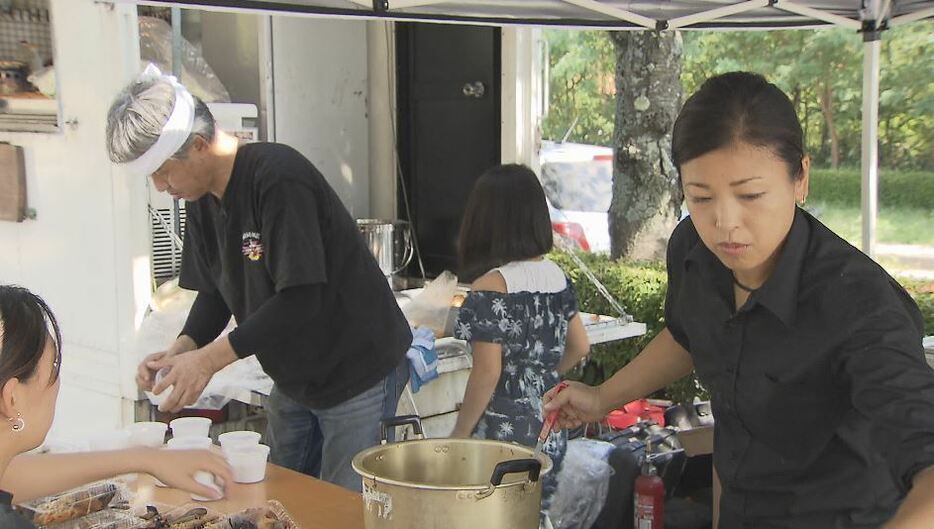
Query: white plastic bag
(582,485)
(155,46)
(170,306)
(431,307)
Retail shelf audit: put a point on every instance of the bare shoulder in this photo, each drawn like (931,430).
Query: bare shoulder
(491,282)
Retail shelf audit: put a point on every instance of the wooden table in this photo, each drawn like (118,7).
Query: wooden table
(314,504)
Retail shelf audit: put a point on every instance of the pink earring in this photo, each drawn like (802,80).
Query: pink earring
(17,424)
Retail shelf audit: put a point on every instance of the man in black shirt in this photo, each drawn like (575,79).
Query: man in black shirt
(269,242)
(824,403)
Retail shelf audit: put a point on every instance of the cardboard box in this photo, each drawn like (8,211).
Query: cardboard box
(12,183)
(697,441)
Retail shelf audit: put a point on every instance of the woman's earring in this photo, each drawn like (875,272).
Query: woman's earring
(802,201)
(17,424)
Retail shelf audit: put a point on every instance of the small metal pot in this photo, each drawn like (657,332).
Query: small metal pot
(13,77)
(390,242)
(450,483)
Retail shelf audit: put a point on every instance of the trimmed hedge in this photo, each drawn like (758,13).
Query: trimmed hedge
(640,287)
(923,294)
(907,189)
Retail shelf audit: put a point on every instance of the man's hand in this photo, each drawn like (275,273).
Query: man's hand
(145,377)
(189,373)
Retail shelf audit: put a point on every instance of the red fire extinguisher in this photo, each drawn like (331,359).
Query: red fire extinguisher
(649,497)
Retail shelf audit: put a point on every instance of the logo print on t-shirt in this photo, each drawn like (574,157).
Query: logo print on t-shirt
(252,246)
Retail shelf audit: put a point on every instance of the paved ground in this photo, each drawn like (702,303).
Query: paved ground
(916,262)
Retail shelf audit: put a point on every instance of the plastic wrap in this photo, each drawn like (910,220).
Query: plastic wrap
(430,308)
(44,80)
(58,510)
(582,485)
(106,519)
(188,516)
(170,307)
(155,46)
(272,516)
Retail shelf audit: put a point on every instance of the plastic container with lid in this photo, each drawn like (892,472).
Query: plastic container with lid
(75,503)
(239,438)
(149,434)
(190,427)
(248,462)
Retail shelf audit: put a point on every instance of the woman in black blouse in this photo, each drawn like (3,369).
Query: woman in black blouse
(30,357)
(812,354)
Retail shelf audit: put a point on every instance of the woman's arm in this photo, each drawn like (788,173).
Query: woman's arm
(487,368)
(917,511)
(662,362)
(577,346)
(31,476)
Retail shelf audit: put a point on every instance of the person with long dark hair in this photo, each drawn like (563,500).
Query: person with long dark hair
(812,354)
(30,359)
(521,316)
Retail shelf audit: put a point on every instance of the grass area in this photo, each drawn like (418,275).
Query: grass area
(899,189)
(896,225)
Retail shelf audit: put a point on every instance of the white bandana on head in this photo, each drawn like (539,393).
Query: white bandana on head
(175,132)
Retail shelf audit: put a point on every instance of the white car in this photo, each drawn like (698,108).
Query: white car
(578,182)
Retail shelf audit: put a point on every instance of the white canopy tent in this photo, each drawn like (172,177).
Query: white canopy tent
(870,17)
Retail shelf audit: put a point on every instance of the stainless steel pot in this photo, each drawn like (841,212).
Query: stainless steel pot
(450,483)
(12,77)
(390,242)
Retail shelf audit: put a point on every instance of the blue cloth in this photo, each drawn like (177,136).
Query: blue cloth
(423,361)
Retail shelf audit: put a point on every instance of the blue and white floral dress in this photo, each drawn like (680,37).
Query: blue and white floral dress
(530,322)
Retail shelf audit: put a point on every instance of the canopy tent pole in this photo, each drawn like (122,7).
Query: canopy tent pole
(177,72)
(818,14)
(714,14)
(912,17)
(872,45)
(622,14)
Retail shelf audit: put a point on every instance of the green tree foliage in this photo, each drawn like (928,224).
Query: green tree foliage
(821,70)
(582,93)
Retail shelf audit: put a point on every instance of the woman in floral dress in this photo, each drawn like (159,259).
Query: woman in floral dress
(521,317)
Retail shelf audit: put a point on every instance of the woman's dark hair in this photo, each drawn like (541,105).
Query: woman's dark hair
(27,322)
(506,220)
(738,107)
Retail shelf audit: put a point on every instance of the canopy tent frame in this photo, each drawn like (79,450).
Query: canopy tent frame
(869,17)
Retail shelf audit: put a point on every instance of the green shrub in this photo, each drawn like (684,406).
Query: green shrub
(640,287)
(906,189)
(923,294)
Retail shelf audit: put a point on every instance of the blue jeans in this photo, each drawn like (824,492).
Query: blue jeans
(323,442)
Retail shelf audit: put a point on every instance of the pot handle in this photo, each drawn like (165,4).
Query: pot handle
(409,251)
(391,422)
(532,466)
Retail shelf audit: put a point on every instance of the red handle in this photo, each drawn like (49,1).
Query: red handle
(552,417)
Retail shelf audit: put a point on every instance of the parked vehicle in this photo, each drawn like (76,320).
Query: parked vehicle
(578,183)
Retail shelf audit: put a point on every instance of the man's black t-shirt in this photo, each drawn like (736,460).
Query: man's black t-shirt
(281,227)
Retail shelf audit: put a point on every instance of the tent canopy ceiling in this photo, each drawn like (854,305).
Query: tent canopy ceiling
(610,14)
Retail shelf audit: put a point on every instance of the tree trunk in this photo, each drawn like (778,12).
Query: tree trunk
(826,106)
(796,101)
(646,193)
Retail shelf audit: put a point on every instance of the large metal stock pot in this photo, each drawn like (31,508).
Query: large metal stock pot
(450,483)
